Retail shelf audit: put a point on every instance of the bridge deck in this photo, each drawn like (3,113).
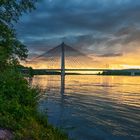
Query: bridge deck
(73,69)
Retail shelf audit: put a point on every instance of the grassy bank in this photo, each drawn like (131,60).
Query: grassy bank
(18,110)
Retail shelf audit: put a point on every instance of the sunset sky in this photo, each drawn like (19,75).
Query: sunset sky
(106,30)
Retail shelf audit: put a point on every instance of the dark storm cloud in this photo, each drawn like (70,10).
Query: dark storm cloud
(111,55)
(93,25)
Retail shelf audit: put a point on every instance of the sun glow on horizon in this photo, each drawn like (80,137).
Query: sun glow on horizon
(127,61)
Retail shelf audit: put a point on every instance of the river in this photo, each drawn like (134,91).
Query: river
(92,107)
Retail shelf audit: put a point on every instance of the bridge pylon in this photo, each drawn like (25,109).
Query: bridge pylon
(63,59)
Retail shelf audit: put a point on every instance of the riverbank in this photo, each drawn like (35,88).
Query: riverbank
(18,105)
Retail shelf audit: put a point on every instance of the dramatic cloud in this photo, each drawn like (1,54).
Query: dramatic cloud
(106,28)
(111,55)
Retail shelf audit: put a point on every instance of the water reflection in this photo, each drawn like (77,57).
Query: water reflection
(93,107)
(62,84)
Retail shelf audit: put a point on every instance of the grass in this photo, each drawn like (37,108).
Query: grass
(18,110)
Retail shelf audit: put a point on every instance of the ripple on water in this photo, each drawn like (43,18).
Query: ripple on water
(93,107)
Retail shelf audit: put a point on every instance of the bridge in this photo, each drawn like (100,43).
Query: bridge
(63,59)
(75,69)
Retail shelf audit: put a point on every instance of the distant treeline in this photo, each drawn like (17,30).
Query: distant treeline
(121,72)
(29,71)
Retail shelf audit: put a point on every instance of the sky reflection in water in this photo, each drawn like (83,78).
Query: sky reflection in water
(93,107)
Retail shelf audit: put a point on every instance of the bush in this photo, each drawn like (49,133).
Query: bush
(18,109)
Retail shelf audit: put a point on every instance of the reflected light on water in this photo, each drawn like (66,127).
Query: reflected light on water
(93,107)
(122,89)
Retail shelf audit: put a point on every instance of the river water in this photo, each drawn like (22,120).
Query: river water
(92,107)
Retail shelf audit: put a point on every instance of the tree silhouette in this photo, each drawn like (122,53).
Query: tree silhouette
(11,49)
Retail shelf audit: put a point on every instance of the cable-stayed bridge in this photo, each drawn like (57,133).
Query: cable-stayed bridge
(64,58)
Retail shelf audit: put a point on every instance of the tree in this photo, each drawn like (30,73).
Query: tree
(11,49)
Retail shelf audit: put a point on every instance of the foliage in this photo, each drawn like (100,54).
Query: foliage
(11,49)
(18,103)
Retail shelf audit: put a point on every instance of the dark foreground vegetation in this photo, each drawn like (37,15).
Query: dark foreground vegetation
(18,101)
(18,110)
